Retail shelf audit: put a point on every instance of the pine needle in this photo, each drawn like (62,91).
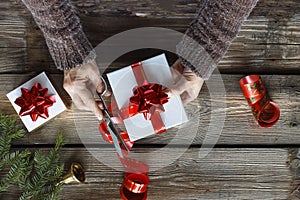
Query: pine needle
(36,174)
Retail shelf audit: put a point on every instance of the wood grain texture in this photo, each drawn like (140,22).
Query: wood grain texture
(268,41)
(223,174)
(155,8)
(239,123)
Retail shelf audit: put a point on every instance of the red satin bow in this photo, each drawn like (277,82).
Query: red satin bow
(35,102)
(149,99)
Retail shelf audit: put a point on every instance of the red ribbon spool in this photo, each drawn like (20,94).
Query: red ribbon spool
(265,111)
(35,102)
(134,186)
(127,195)
(136,183)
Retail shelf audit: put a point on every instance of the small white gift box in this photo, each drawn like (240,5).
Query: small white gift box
(57,107)
(157,71)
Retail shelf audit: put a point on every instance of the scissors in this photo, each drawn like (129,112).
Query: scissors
(115,135)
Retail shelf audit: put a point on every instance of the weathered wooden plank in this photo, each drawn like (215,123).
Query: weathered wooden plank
(155,8)
(268,41)
(13,8)
(12,32)
(12,59)
(257,29)
(223,174)
(267,44)
(284,60)
(239,123)
(261,58)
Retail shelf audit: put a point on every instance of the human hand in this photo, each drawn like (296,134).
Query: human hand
(187,83)
(81,83)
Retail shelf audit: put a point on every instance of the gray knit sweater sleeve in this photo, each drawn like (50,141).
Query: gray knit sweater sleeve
(206,40)
(211,33)
(67,43)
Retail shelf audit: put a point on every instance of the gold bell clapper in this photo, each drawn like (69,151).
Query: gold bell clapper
(75,174)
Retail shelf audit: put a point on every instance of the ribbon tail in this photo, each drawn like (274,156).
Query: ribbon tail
(34,116)
(157,123)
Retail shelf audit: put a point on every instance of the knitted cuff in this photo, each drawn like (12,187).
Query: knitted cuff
(216,25)
(194,57)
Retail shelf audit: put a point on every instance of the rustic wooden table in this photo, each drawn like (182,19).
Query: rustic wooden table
(248,162)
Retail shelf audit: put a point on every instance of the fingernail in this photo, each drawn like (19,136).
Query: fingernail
(169,93)
(108,93)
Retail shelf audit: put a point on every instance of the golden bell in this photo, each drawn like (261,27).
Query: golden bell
(75,174)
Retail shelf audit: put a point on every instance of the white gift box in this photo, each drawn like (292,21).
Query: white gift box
(158,71)
(57,107)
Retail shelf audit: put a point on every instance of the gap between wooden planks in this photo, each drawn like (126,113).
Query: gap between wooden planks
(240,127)
(267,43)
(224,174)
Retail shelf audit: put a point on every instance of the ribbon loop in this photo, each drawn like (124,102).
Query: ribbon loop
(149,99)
(136,183)
(135,186)
(35,102)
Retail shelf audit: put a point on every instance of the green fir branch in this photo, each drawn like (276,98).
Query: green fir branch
(15,161)
(16,170)
(36,174)
(46,172)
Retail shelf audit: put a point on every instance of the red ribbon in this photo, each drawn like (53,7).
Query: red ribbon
(134,187)
(150,99)
(35,102)
(147,99)
(136,180)
(103,129)
(136,183)
(265,112)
